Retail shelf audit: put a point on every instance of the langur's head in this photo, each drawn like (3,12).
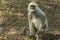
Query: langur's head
(32,6)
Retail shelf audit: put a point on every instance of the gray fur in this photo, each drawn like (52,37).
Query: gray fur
(37,19)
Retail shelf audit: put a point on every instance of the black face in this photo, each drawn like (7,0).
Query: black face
(32,6)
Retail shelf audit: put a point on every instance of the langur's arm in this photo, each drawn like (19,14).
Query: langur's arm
(30,24)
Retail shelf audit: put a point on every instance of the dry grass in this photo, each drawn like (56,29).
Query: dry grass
(14,22)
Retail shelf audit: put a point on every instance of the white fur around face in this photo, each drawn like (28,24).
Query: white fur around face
(32,3)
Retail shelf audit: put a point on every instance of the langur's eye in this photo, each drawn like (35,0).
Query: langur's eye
(32,6)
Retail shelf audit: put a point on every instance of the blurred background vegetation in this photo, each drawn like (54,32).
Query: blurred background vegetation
(14,22)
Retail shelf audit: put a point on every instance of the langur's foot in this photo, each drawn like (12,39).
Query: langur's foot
(31,35)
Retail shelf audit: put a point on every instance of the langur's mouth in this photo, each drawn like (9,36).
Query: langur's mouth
(33,8)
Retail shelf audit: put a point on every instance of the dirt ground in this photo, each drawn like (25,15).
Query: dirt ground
(14,22)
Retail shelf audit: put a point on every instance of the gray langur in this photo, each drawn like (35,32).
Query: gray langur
(37,19)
